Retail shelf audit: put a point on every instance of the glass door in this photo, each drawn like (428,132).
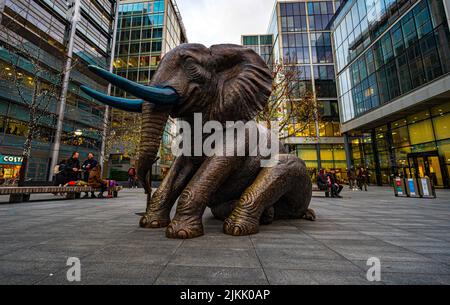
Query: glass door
(435,172)
(426,165)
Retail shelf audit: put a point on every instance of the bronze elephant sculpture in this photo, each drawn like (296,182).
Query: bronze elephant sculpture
(223,83)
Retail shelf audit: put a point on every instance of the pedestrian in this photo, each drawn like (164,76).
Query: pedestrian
(87,167)
(336,187)
(95,181)
(322,182)
(363,179)
(132,177)
(351,174)
(72,169)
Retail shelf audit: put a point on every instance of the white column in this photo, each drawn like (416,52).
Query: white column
(107,108)
(74,17)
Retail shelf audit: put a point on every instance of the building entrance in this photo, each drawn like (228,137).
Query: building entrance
(426,164)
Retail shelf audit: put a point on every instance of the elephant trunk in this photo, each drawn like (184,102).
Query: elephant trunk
(153,125)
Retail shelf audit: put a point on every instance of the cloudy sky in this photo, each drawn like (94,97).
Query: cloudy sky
(224,21)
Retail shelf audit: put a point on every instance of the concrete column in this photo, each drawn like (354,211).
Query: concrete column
(75,7)
(376,158)
(348,150)
(111,69)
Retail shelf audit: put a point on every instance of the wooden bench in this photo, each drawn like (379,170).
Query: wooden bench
(22,194)
(317,190)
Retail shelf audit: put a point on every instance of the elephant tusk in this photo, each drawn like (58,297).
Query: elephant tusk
(158,96)
(116,102)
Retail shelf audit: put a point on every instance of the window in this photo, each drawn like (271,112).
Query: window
(251,40)
(442,126)
(416,66)
(325,81)
(409,30)
(403,71)
(430,56)
(423,19)
(397,39)
(421,132)
(16,128)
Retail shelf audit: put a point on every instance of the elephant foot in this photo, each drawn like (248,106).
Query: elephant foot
(240,225)
(179,229)
(154,221)
(310,215)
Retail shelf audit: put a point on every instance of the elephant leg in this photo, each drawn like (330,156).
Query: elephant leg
(161,203)
(187,222)
(272,184)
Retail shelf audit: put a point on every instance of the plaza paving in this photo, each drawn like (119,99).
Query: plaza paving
(411,237)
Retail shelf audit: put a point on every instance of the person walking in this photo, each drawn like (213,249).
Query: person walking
(132,177)
(87,167)
(72,169)
(351,174)
(363,177)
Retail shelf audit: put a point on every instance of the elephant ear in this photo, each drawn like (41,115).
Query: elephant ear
(244,83)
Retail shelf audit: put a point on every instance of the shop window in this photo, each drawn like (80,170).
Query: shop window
(16,128)
(442,126)
(307,153)
(421,132)
(400,137)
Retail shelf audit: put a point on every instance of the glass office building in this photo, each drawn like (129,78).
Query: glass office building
(393,69)
(147,31)
(302,40)
(42,27)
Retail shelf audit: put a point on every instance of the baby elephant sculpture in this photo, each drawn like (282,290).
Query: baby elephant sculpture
(223,83)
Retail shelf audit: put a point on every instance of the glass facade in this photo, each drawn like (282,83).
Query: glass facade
(302,40)
(261,44)
(388,49)
(147,30)
(413,146)
(41,28)
(384,51)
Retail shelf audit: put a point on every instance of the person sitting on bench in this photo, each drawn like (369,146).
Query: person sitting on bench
(322,182)
(336,188)
(95,180)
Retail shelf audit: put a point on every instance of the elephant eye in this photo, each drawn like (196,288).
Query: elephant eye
(193,70)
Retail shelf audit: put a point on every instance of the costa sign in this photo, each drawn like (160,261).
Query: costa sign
(14,160)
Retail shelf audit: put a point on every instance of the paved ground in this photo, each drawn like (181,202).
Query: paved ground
(411,237)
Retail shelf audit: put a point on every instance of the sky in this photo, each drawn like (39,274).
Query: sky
(212,22)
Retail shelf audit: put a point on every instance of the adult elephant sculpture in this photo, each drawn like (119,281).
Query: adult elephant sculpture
(223,83)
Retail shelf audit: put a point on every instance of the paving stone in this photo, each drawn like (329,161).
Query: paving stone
(190,275)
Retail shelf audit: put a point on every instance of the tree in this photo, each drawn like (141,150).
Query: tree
(124,135)
(38,85)
(292,103)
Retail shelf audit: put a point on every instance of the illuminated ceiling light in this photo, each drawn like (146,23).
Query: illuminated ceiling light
(78,132)
(8,69)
